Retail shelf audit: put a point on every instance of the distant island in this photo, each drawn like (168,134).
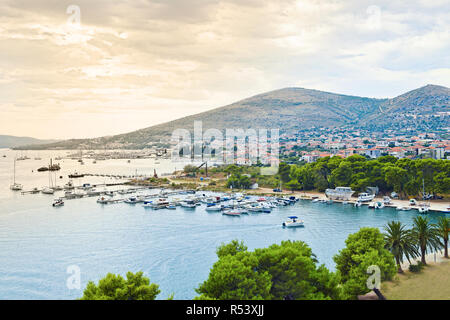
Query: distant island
(13,141)
(426,109)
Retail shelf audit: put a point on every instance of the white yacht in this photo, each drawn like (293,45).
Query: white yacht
(340,193)
(214,208)
(293,223)
(365,197)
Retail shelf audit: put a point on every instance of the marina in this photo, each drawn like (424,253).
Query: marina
(168,239)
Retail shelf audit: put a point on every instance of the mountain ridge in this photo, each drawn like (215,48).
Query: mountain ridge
(289,109)
(8,141)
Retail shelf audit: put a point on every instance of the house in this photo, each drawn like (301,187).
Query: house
(373,153)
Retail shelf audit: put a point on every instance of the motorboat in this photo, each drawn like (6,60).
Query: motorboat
(339,193)
(76,175)
(293,223)
(103,200)
(365,197)
(171,207)
(424,208)
(160,203)
(188,204)
(233,213)
(214,208)
(376,205)
(58,203)
(132,200)
(400,208)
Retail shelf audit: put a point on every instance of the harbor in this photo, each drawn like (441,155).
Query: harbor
(39,242)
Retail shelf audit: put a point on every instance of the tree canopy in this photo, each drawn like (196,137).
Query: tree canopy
(363,249)
(284,271)
(115,287)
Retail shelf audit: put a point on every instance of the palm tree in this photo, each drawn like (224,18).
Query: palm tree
(426,236)
(400,242)
(443,227)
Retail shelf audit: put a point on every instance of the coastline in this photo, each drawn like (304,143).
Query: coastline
(435,205)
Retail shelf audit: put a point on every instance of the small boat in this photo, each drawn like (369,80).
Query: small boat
(58,203)
(423,210)
(102,200)
(358,204)
(132,200)
(76,175)
(400,208)
(365,197)
(214,208)
(340,193)
(47,190)
(159,204)
(293,223)
(233,213)
(378,205)
(171,207)
(15,186)
(188,204)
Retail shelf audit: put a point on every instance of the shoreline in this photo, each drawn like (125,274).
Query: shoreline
(439,206)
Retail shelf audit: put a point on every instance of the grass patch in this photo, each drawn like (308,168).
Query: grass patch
(432,283)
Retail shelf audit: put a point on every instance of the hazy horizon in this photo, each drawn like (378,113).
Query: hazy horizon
(119,67)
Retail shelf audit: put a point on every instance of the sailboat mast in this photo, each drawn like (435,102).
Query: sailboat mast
(14,182)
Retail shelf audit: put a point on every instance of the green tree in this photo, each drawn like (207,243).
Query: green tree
(115,287)
(426,236)
(293,185)
(342,175)
(400,242)
(231,248)
(294,273)
(285,271)
(363,249)
(443,227)
(235,277)
(284,171)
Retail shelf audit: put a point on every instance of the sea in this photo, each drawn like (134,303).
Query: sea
(51,252)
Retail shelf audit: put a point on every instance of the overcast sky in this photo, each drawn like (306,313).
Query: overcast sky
(131,64)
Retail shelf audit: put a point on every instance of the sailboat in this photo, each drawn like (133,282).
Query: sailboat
(49,189)
(15,186)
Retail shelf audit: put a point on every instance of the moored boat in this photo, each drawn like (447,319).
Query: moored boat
(339,193)
(365,197)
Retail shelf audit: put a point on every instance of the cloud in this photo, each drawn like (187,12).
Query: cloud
(132,64)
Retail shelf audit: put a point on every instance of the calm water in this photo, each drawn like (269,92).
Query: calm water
(175,248)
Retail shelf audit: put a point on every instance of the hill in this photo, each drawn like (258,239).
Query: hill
(291,109)
(12,141)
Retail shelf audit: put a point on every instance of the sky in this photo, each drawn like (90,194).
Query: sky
(83,68)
